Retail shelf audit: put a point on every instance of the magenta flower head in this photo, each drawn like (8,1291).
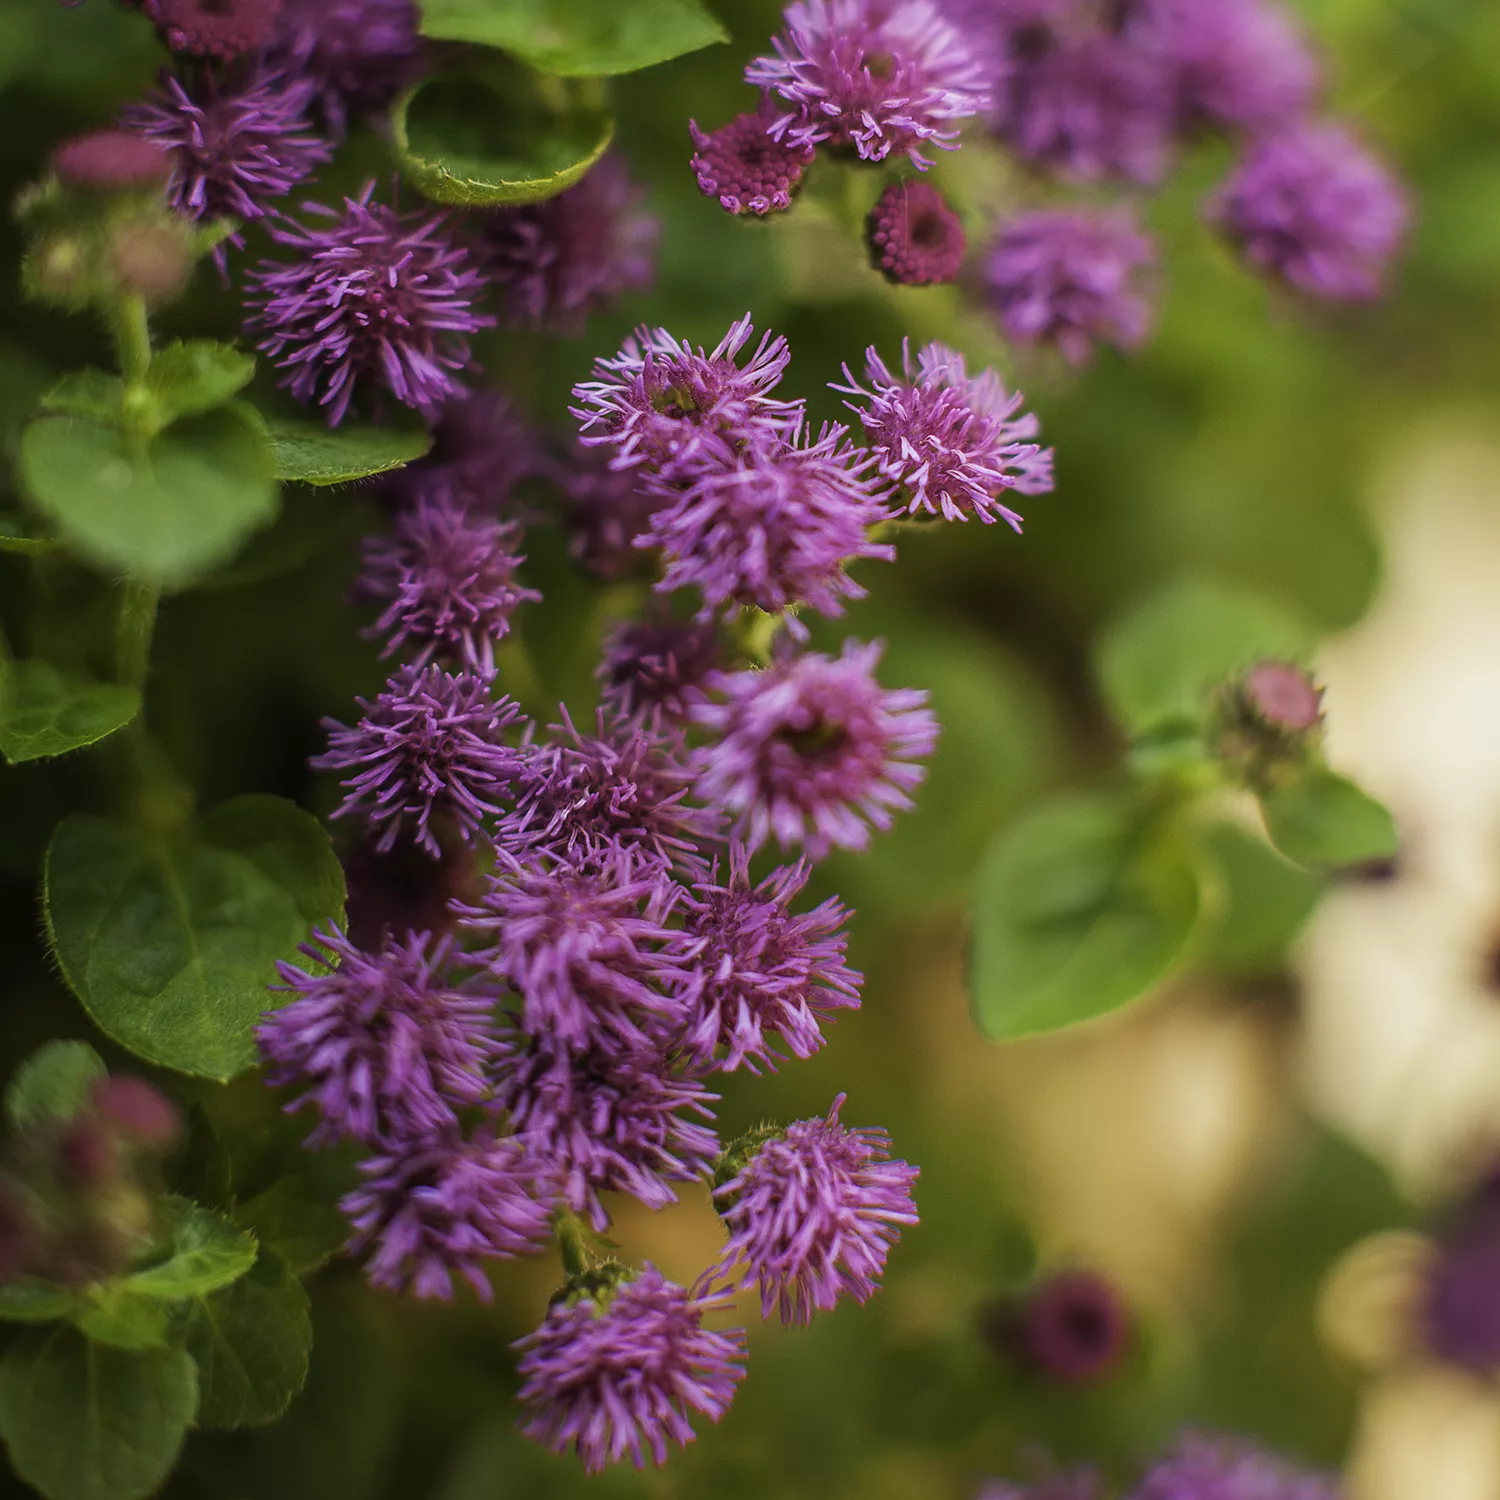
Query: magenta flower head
(430,1209)
(215,28)
(662,404)
(952,443)
(745,167)
(447,579)
(871,76)
(588,950)
(619,1364)
(778,526)
(234,148)
(812,1213)
(358,53)
(812,750)
(386,1048)
(768,979)
(654,669)
(1284,695)
(1071,278)
(611,1118)
(556,262)
(430,749)
(915,238)
(1202,1468)
(111,161)
(1314,208)
(372,297)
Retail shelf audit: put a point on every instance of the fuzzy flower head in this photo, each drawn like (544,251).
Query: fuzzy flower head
(215,28)
(556,262)
(234,149)
(745,167)
(431,747)
(871,76)
(769,979)
(952,443)
(1202,1468)
(427,1211)
(359,54)
(604,510)
(915,238)
(373,297)
(612,1118)
(481,450)
(447,580)
(1071,278)
(654,669)
(618,1369)
(385,1048)
(812,750)
(1314,208)
(776,527)
(662,404)
(812,1214)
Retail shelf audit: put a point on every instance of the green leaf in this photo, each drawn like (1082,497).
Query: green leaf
(250,1342)
(86,393)
(115,1315)
(311,453)
(293,1220)
(577,38)
(200,1168)
(204,1252)
(463,140)
(16,536)
(194,377)
(1264,901)
(52,1084)
(165,511)
(1160,663)
(1078,910)
(83,1421)
(171,941)
(43,713)
(1322,820)
(33,1301)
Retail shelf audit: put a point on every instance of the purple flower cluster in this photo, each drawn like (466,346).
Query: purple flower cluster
(745,167)
(915,237)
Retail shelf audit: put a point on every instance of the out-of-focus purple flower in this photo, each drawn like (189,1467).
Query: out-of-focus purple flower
(138,1111)
(359,53)
(1312,206)
(747,170)
(1460,1313)
(234,148)
(434,1208)
(605,510)
(1203,1468)
(1072,1326)
(1071,277)
(588,950)
(610,1118)
(403,889)
(374,296)
(659,403)
(481,450)
(215,28)
(813,1214)
(873,76)
(813,751)
(430,747)
(953,443)
(616,1370)
(386,1048)
(767,976)
(556,262)
(111,161)
(447,579)
(915,238)
(776,526)
(654,669)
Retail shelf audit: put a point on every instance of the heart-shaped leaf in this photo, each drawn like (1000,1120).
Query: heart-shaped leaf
(310,453)
(43,713)
(1322,820)
(202,1252)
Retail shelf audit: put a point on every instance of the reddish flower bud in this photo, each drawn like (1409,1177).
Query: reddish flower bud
(915,238)
(1284,695)
(111,161)
(135,1109)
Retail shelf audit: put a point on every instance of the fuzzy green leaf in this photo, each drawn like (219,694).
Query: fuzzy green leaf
(86,393)
(122,1318)
(305,1229)
(33,1301)
(197,376)
(16,535)
(310,453)
(1322,820)
(52,1084)
(202,1252)
(43,713)
(1263,902)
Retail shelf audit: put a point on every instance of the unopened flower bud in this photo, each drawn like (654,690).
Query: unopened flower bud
(1268,722)
(58,269)
(1284,695)
(152,258)
(1070,1326)
(111,161)
(915,238)
(138,1111)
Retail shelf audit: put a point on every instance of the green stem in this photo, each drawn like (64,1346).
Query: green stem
(132,338)
(134,627)
(573,1244)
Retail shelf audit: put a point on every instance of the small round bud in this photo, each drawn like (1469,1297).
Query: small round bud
(85,1154)
(1068,1325)
(915,238)
(111,161)
(137,1110)
(58,269)
(152,258)
(1284,695)
(215,28)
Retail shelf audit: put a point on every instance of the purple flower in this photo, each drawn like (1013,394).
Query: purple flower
(611,1119)
(438,1207)
(742,166)
(813,1213)
(1460,1313)
(654,669)
(659,403)
(111,161)
(359,53)
(389,1051)
(481,450)
(767,976)
(875,76)
(915,239)
(215,28)
(617,1369)
(1073,1327)
(233,148)
(402,889)
(588,951)
(951,442)
(1203,1468)
(374,296)
(773,527)
(430,747)
(813,750)
(447,578)
(557,261)
(605,510)
(1312,206)
(1071,277)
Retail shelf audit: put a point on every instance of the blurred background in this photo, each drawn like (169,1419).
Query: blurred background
(1245,1156)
